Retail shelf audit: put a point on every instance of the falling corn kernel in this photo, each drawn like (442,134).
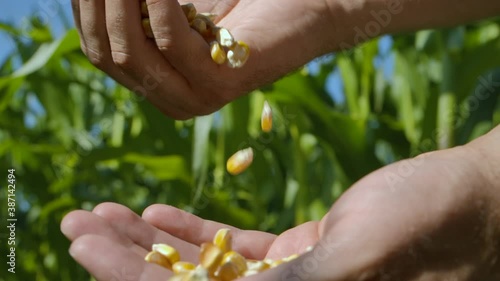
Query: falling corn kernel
(238,54)
(146,26)
(167,251)
(240,161)
(266,119)
(218,54)
(189,11)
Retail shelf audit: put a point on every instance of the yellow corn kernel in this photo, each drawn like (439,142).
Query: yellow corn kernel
(182,266)
(209,16)
(146,26)
(238,55)
(157,258)
(210,257)
(239,161)
(218,54)
(189,11)
(227,272)
(291,257)
(168,252)
(200,26)
(144,9)
(224,37)
(266,119)
(274,263)
(223,239)
(237,260)
(257,265)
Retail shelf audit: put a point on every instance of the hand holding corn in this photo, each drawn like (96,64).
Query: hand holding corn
(223,46)
(189,63)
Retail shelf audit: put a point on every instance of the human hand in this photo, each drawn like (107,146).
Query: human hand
(112,241)
(175,71)
(434,217)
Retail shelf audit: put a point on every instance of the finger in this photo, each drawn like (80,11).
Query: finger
(181,45)
(188,52)
(97,48)
(139,57)
(79,223)
(294,241)
(195,230)
(106,259)
(125,221)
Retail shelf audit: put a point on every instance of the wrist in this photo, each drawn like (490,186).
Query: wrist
(486,163)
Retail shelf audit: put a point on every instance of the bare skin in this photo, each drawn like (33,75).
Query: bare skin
(175,72)
(436,217)
(440,220)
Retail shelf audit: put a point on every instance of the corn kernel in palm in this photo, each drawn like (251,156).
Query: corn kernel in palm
(224,37)
(290,258)
(210,257)
(157,258)
(189,11)
(146,26)
(239,161)
(227,272)
(238,55)
(167,251)
(182,267)
(237,260)
(223,239)
(266,119)
(217,52)
(256,265)
(144,9)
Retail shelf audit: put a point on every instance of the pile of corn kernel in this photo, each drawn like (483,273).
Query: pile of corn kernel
(223,46)
(218,262)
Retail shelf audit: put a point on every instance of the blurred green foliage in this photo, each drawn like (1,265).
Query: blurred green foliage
(76,138)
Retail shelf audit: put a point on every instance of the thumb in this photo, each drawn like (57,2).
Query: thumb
(331,259)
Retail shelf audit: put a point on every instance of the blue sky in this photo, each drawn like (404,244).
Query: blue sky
(16,12)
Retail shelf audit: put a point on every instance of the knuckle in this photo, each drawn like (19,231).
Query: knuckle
(122,60)
(95,57)
(165,44)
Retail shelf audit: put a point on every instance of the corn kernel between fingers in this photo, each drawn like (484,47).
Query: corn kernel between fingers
(146,26)
(238,54)
(189,11)
(224,37)
(218,54)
